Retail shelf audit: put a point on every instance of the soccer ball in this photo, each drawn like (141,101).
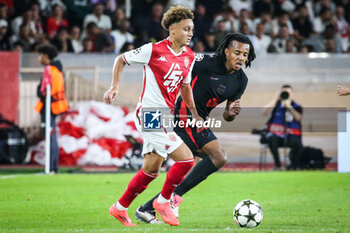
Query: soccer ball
(248,213)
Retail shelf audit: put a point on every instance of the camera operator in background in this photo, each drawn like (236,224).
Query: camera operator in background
(284,127)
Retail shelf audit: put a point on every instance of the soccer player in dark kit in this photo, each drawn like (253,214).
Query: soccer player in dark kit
(214,80)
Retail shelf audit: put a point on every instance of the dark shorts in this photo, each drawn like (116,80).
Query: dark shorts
(193,139)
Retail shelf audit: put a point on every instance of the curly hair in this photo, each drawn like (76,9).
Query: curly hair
(227,42)
(174,15)
(49,50)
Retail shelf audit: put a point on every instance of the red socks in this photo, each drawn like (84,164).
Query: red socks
(136,186)
(175,175)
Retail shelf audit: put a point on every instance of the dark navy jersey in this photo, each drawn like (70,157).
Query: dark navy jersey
(212,85)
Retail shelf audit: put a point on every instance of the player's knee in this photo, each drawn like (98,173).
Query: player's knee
(219,158)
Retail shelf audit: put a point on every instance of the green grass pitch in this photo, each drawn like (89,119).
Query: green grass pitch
(291,201)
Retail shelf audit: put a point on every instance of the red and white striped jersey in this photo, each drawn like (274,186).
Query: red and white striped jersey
(164,72)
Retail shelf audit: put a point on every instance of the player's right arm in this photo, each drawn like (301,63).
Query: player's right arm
(140,55)
(112,92)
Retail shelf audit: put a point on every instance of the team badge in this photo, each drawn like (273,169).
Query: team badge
(186,62)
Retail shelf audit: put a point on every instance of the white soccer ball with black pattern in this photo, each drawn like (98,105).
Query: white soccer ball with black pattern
(248,213)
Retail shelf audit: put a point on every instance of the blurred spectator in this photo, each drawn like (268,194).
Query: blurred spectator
(244,29)
(6,10)
(117,18)
(187,3)
(260,6)
(17,46)
(201,22)
(318,42)
(101,20)
(220,32)
(320,21)
(302,24)
(213,7)
(342,27)
(278,45)
(330,46)
(127,47)
(141,38)
(227,16)
(4,40)
(281,19)
(321,5)
(88,45)
(24,37)
(209,42)
(39,26)
(238,5)
(3,11)
(75,38)
(62,42)
(77,10)
(291,46)
(122,35)
(244,18)
(55,21)
(47,7)
(346,5)
(198,47)
(153,23)
(27,19)
(266,19)
(100,38)
(260,40)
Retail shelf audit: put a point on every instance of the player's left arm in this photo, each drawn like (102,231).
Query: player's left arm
(233,105)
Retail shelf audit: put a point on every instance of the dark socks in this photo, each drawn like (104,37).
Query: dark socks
(199,173)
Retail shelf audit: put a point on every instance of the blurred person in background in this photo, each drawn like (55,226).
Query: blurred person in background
(238,5)
(209,42)
(25,37)
(26,18)
(342,27)
(282,19)
(62,41)
(39,24)
(75,38)
(284,126)
(302,24)
(227,16)
(278,44)
(201,22)
(320,22)
(101,20)
(122,35)
(266,19)
(4,40)
(318,42)
(117,17)
(102,42)
(198,47)
(343,91)
(52,76)
(55,21)
(88,45)
(260,41)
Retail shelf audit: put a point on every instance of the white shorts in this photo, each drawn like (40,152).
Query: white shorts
(163,143)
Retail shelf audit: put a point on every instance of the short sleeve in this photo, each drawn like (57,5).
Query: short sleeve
(141,55)
(188,78)
(241,90)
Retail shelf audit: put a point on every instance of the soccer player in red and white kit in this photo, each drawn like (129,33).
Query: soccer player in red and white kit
(167,70)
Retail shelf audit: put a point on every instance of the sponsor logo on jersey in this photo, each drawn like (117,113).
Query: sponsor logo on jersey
(152,119)
(173,77)
(213,78)
(186,61)
(162,58)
